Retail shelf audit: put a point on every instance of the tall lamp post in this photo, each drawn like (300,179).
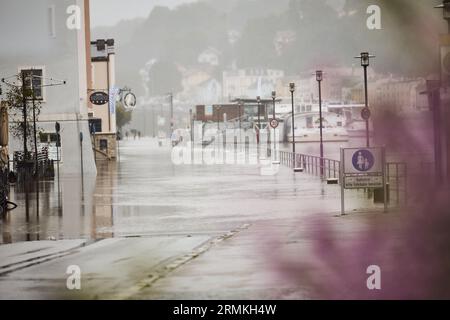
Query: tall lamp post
(292,90)
(365,62)
(170,94)
(434,96)
(240,125)
(191,125)
(446,8)
(258,100)
(258,137)
(33,100)
(319,78)
(274,96)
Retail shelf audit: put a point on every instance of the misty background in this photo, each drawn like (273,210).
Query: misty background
(165,38)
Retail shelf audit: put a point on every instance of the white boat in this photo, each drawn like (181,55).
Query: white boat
(307,128)
(330,134)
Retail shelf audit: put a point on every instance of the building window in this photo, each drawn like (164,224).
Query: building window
(45,137)
(95,125)
(103,144)
(33,76)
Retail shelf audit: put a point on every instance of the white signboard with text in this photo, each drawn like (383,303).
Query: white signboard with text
(363,168)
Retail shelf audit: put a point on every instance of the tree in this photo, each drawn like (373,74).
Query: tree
(16,97)
(164,77)
(123,116)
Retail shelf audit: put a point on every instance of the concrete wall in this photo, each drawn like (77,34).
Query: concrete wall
(33,36)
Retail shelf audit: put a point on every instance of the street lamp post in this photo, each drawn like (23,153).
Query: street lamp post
(274,96)
(434,96)
(191,125)
(446,11)
(218,120)
(319,78)
(258,100)
(240,127)
(258,137)
(171,113)
(365,62)
(292,89)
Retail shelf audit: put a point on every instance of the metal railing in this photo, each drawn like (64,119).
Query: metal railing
(311,164)
(45,165)
(396,177)
(396,172)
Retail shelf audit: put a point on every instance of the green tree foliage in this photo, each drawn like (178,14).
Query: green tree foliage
(123,116)
(325,34)
(164,78)
(15,99)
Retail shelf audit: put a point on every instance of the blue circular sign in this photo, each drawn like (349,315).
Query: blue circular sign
(363,160)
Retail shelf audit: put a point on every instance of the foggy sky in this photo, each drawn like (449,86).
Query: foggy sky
(110,12)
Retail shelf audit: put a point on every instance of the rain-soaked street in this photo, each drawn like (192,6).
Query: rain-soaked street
(145,193)
(255,152)
(146,228)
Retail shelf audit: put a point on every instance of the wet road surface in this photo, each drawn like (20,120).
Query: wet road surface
(145,222)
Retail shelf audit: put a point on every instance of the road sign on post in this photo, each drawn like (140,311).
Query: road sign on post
(363,168)
(274,123)
(365,114)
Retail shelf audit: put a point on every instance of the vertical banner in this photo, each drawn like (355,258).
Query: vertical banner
(113,92)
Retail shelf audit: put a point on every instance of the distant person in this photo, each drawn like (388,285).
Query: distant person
(139,135)
(126,134)
(174,139)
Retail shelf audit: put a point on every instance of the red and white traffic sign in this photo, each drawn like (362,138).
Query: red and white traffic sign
(274,123)
(365,114)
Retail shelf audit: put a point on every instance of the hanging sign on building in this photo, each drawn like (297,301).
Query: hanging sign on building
(99,98)
(129,101)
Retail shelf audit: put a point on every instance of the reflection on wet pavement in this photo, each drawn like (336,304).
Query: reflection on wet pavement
(146,194)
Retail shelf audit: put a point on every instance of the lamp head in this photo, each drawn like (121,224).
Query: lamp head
(319,75)
(292,87)
(445,6)
(274,94)
(365,58)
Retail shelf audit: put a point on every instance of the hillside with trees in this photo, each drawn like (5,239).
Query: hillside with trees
(322,34)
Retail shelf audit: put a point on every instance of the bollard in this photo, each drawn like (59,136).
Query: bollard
(297,168)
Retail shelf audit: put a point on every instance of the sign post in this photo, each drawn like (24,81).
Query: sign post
(341,178)
(363,168)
